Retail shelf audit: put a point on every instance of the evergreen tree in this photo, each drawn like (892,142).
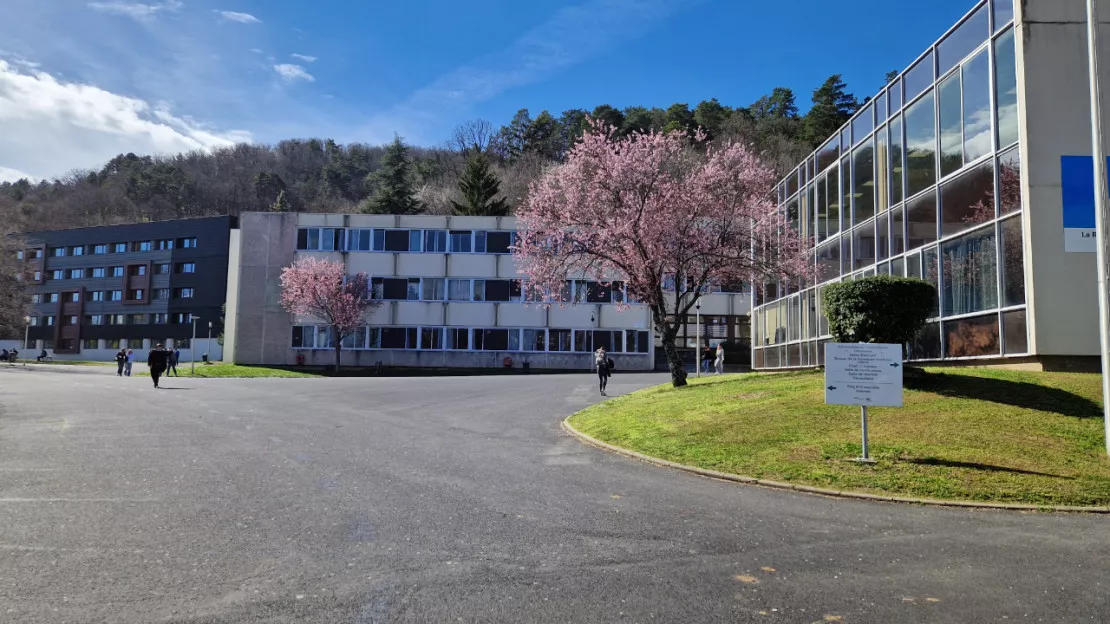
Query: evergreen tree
(542,137)
(280,204)
(610,115)
(395,193)
(479,186)
(891,75)
(679,117)
(832,107)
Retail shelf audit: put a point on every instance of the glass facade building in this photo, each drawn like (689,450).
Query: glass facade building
(924,181)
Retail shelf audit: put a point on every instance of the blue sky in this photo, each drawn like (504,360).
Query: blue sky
(81,80)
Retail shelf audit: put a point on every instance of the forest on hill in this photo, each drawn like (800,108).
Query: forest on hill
(483,169)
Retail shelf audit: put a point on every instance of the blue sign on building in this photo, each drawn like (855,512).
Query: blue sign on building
(1077,178)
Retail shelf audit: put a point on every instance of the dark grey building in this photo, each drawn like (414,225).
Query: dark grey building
(95,290)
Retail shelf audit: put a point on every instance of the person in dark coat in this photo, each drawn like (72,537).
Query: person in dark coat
(158,361)
(174,356)
(121,360)
(604,368)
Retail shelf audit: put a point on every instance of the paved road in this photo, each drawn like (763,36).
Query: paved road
(461,500)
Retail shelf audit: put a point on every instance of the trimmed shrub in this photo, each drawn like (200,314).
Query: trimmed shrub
(880,309)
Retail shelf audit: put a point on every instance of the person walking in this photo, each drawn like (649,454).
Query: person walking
(173,357)
(720,362)
(129,360)
(706,359)
(158,361)
(604,368)
(121,361)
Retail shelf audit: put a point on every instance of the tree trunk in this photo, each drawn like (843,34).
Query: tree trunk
(338,348)
(678,369)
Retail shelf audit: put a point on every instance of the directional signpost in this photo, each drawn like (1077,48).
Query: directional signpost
(863,374)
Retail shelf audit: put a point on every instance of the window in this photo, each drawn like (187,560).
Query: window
(58,252)
(117,271)
(303,336)
(1013,264)
(140,319)
(583,341)
(949,100)
(97,295)
(355,339)
(435,241)
(416,237)
(970,274)
(461,241)
(863,124)
(897,161)
(36,253)
(1005,96)
(431,338)
(968,200)
(100,272)
(142,246)
(921,221)
(90,344)
(186,267)
(357,240)
(79,250)
(178,343)
(165,244)
(100,249)
(613,341)
(516,290)
(162,269)
(971,337)
(398,338)
(921,146)
(967,36)
(492,290)
(19,255)
(191,242)
(58,274)
(119,248)
(391,288)
(115,295)
(434,289)
(1013,326)
(180,318)
(596,292)
(1009,181)
(863,186)
(36,298)
(52,298)
(117,319)
(863,246)
(182,293)
(94,319)
(1003,13)
(136,270)
(73,297)
(491,340)
(161,319)
(397,240)
(882,238)
(313,239)
(977,107)
(458,290)
(412,290)
(113,343)
(160,294)
(36,321)
(559,340)
(919,77)
(458,338)
(534,340)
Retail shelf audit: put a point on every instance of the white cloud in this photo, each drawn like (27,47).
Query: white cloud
(256,50)
(11,175)
(293,73)
(51,127)
(136,10)
(304,57)
(242,18)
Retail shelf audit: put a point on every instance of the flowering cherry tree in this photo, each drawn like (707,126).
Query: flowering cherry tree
(320,289)
(651,209)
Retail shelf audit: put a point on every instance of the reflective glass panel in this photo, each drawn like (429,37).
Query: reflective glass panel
(822,226)
(926,346)
(921,221)
(1006,90)
(951,131)
(921,146)
(880,108)
(1014,328)
(898,267)
(897,161)
(832,223)
(863,246)
(846,192)
(977,107)
(913,265)
(863,124)
(1003,13)
(895,95)
(968,200)
(919,77)
(970,274)
(882,172)
(971,337)
(1013,263)
(1009,181)
(863,168)
(829,153)
(897,231)
(846,254)
(930,272)
(828,261)
(882,238)
(960,42)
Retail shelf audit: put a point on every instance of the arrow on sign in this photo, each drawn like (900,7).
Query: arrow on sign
(894,364)
(832,387)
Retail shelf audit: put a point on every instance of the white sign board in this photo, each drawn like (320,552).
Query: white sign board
(863,374)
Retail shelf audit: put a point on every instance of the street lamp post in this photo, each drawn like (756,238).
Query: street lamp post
(208,346)
(26,331)
(1102,219)
(697,338)
(193,347)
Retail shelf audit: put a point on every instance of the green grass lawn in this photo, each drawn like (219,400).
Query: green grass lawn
(963,434)
(233,370)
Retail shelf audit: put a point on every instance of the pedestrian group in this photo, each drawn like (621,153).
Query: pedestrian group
(160,360)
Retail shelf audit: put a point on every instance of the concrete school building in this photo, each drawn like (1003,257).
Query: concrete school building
(973,170)
(452,298)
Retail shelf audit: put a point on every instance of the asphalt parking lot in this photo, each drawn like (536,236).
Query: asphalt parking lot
(461,500)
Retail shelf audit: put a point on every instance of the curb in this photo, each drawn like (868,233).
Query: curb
(806,489)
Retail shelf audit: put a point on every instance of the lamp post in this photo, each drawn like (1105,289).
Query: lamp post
(26,331)
(697,338)
(1102,219)
(208,347)
(193,347)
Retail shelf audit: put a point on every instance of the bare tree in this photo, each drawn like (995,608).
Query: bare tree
(476,135)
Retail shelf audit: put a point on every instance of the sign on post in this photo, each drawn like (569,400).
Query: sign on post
(863,374)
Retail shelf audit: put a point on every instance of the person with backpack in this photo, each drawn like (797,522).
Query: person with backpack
(173,357)
(604,368)
(121,360)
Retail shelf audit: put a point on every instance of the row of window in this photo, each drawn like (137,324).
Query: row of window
(118,271)
(176,318)
(404,241)
(513,290)
(533,340)
(135,294)
(114,344)
(116,248)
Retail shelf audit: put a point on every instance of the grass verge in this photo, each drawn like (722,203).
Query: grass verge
(966,434)
(236,371)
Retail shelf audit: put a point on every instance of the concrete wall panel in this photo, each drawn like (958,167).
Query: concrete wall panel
(471,265)
(421,265)
(471,315)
